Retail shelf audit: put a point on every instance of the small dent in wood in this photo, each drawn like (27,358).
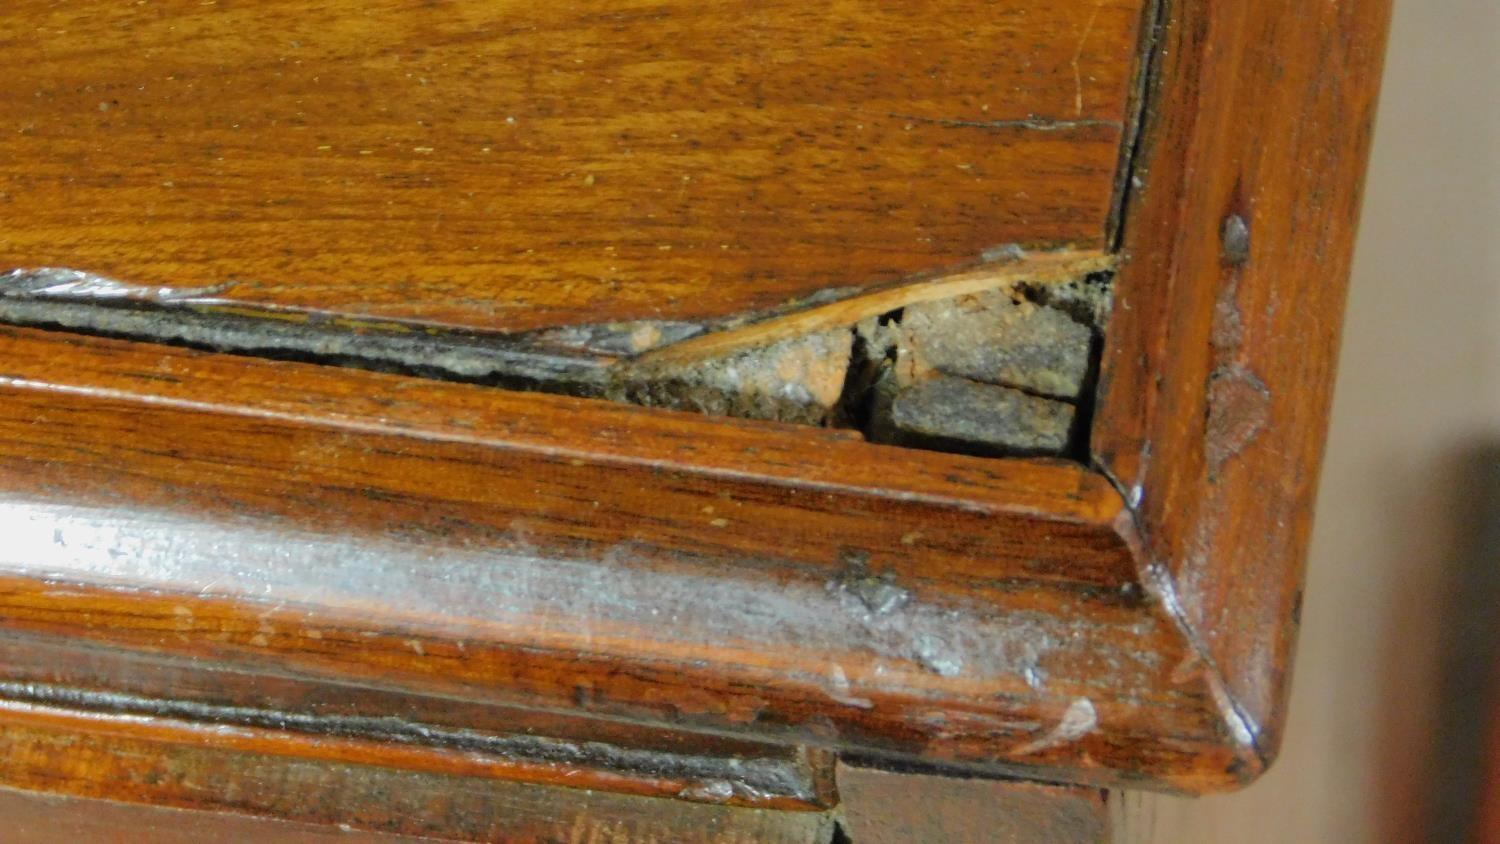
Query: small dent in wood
(1234,239)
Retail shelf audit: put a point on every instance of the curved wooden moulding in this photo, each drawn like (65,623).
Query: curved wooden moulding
(249,563)
(443,540)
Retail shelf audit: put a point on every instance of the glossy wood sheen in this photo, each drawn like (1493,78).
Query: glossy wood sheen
(109,761)
(508,164)
(275,535)
(252,522)
(175,698)
(1215,388)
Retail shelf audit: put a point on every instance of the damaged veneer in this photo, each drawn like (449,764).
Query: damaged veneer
(996,359)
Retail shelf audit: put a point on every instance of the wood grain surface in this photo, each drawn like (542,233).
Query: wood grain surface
(718,587)
(725,578)
(345,801)
(44,817)
(1215,387)
(508,165)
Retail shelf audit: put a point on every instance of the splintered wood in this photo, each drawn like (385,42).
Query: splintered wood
(993,360)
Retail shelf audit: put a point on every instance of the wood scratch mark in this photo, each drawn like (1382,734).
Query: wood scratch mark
(1034,123)
(1088,28)
(1077,721)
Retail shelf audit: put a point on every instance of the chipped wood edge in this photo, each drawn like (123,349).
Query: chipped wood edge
(1033,267)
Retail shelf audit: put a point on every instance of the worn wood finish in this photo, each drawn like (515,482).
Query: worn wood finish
(122,761)
(1215,386)
(275,534)
(508,165)
(178,699)
(432,557)
(515,742)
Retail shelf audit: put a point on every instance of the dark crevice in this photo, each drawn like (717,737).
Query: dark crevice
(447,355)
(856,406)
(871,392)
(1153,21)
(599,361)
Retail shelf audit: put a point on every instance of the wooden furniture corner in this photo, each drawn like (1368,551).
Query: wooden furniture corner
(274,545)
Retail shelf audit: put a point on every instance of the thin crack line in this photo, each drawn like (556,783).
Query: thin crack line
(1039,124)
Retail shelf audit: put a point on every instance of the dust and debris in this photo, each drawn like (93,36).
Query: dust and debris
(617,338)
(989,371)
(506,361)
(958,414)
(1000,337)
(1088,299)
(878,594)
(936,655)
(1003,252)
(995,372)
(796,380)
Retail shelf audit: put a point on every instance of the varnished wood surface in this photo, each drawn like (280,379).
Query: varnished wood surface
(508,165)
(344,800)
(198,505)
(1215,387)
(298,716)
(775,586)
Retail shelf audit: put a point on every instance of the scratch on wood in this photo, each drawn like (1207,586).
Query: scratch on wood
(1078,720)
(1077,60)
(1032,122)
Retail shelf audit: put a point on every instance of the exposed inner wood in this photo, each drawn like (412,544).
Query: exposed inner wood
(1012,364)
(511,166)
(1011,266)
(435,540)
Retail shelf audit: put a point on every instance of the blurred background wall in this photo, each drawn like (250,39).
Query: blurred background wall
(1388,699)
